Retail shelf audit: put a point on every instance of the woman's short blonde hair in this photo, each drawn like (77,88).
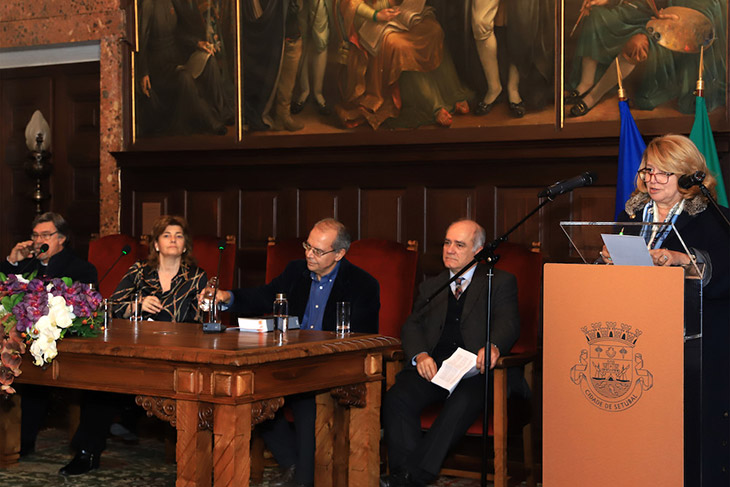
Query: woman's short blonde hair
(679,155)
(158,228)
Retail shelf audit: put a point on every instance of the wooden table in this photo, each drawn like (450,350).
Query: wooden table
(215,387)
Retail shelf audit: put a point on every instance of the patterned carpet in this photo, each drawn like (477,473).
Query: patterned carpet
(121,466)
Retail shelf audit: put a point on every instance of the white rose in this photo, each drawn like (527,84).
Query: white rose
(22,279)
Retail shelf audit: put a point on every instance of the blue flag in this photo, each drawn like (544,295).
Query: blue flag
(701,135)
(630,149)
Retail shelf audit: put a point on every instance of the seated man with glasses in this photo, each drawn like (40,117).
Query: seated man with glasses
(313,287)
(56,259)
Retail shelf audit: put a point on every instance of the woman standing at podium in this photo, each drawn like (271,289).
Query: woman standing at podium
(659,198)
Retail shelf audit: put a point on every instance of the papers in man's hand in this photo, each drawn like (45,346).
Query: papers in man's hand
(627,249)
(461,364)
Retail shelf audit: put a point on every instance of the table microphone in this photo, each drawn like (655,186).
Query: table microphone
(34,256)
(125,251)
(585,179)
(689,180)
(215,326)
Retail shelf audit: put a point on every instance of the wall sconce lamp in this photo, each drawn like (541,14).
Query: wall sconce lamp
(39,167)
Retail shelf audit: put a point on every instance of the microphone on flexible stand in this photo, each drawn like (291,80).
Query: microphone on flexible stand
(585,179)
(41,250)
(214,325)
(125,251)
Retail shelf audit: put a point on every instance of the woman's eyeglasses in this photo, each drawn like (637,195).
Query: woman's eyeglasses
(660,177)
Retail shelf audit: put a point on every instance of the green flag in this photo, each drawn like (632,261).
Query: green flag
(701,135)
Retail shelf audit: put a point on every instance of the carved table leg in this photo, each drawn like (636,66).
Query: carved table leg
(324,449)
(231,445)
(194,465)
(364,427)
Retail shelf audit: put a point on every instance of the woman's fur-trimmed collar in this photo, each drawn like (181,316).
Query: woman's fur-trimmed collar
(693,206)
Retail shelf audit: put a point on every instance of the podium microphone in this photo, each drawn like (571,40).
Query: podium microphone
(41,250)
(689,180)
(125,251)
(215,326)
(585,179)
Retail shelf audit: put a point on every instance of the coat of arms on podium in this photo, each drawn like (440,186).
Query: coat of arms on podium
(611,373)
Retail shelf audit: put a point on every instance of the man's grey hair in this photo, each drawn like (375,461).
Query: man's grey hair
(480,235)
(58,221)
(343,239)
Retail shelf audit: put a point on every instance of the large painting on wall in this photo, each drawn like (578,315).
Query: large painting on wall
(373,65)
(655,47)
(184,68)
(392,70)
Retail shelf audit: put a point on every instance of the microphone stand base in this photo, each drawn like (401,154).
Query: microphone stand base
(213,328)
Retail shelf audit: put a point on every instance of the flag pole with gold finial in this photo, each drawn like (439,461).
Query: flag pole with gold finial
(700,88)
(621,91)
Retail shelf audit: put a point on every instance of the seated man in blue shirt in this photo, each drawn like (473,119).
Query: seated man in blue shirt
(313,287)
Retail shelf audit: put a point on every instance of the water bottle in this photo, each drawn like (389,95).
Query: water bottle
(207,302)
(281,314)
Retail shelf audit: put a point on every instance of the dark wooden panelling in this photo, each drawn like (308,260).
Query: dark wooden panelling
(381,214)
(512,204)
(204,212)
(259,217)
(148,206)
(442,206)
(315,204)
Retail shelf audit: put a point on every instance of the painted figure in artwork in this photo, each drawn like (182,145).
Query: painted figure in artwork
(624,30)
(181,80)
(397,68)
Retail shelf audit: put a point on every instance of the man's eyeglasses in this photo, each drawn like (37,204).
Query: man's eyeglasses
(42,236)
(315,250)
(659,176)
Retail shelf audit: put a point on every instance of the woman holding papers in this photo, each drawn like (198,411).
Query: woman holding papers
(169,280)
(659,198)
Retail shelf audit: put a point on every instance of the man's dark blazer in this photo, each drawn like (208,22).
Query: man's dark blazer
(64,264)
(352,284)
(422,329)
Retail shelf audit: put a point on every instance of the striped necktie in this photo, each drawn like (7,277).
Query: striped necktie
(458,290)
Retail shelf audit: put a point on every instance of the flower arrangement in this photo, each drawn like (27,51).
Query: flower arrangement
(37,312)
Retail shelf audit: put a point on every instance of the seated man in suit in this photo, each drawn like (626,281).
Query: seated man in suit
(429,336)
(58,260)
(313,287)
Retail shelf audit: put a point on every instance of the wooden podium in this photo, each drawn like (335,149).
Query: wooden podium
(614,376)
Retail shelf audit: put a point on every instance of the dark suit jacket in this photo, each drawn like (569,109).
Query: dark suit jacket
(422,329)
(705,232)
(64,264)
(352,284)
